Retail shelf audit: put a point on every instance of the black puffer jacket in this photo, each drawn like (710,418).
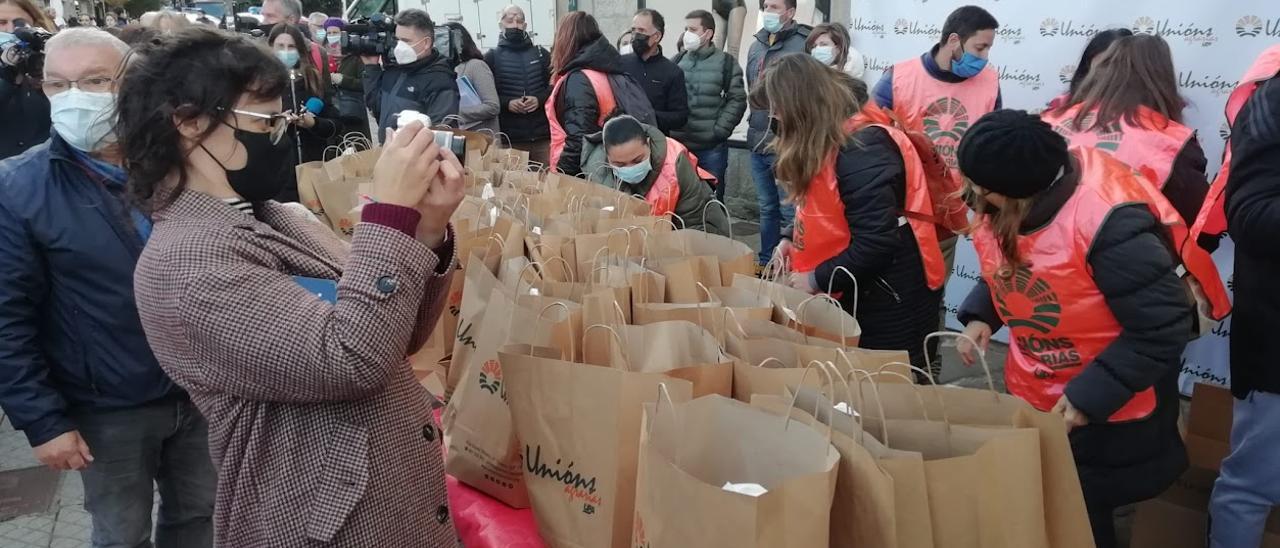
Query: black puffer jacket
(430,87)
(576,106)
(895,306)
(1253,220)
(25,111)
(1133,265)
(521,69)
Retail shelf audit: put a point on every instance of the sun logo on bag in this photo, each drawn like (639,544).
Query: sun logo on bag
(491,378)
(945,122)
(1049,27)
(1107,137)
(1249,26)
(1026,300)
(1144,25)
(346,227)
(638,537)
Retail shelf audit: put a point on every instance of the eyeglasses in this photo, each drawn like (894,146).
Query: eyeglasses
(96,84)
(279,122)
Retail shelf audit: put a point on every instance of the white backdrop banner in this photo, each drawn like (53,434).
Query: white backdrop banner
(1036,51)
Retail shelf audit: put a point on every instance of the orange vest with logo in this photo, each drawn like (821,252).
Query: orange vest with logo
(822,232)
(1150,148)
(943,110)
(1052,344)
(604,98)
(1213,215)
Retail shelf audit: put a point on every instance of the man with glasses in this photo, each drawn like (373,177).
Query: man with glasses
(421,78)
(77,376)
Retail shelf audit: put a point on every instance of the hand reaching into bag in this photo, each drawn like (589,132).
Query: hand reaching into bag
(980,333)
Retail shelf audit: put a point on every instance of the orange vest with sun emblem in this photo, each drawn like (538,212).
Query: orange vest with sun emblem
(943,110)
(1151,147)
(1052,344)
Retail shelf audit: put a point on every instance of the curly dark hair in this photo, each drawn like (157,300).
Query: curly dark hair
(195,72)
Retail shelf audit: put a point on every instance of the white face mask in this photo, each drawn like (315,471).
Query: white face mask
(84,119)
(625,49)
(824,54)
(691,41)
(404,53)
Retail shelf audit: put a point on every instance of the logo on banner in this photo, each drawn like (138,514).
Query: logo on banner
(915,28)
(945,122)
(875,63)
(1066,74)
(1022,77)
(1029,306)
(1011,34)
(1188,31)
(1216,84)
(1224,131)
(867,26)
(1106,137)
(1251,26)
(1067,29)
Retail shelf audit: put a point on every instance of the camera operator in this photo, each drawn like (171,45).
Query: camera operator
(77,375)
(421,79)
(23,107)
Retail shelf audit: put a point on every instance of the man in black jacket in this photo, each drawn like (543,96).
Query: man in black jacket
(1249,485)
(23,107)
(662,80)
(421,79)
(522,74)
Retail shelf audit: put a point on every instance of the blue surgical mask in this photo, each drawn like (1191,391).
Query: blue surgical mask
(633,174)
(289,57)
(824,54)
(968,66)
(772,22)
(6,37)
(320,34)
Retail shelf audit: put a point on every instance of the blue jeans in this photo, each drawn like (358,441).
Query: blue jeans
(716,161)
(164,444)
(773,213)
(1249,484)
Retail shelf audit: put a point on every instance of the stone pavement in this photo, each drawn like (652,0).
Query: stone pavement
(65,525)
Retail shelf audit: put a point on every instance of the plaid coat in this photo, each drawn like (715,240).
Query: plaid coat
(319,431)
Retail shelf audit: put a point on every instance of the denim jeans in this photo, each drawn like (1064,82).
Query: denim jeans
(773,213)
(164,445)
(1249,484)
(716,161)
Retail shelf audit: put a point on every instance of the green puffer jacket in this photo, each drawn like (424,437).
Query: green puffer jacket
(695,193)
(714,111)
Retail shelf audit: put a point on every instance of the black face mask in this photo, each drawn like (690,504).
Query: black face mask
(514,34)
(639,44)
(266,171)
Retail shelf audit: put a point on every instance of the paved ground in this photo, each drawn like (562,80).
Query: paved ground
(65,525)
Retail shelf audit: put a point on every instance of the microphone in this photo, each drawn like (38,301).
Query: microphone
(315,105)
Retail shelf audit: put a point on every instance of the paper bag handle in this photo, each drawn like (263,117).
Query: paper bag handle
(622,349)
(683,225)
(771,359)
(831,283)
(564,264)
(573,348)
(726,214)
(729,313)
(684,243)
(946,420)
(795,397)
(862,402)
(982,356)
(663,393)
(800,313)
(515,291)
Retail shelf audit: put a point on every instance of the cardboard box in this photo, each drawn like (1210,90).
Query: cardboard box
(1209,426)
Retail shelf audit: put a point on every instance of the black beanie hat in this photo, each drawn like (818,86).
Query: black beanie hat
(1012,153)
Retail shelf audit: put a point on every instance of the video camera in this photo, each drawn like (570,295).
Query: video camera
(25,51)
(374,36)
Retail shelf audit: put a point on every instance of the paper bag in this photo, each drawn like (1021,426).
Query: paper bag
(308,174)
(734,257)
(690,451)
(679,350)
(579,428)
(814,315)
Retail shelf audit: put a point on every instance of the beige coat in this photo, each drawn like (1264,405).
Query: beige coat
(319,432)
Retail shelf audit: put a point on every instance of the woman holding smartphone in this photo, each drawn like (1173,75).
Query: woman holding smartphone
(290,342)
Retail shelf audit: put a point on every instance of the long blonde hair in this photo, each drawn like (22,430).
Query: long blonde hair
(1005,222)
(813,103)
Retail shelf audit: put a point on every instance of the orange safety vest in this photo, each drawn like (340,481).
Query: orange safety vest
(1150,148)
(665,192)
(943,110)
(604,98)
(822,232)
(1053,344)
(1213,214)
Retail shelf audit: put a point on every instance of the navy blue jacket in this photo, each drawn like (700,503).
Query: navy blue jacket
(69,330)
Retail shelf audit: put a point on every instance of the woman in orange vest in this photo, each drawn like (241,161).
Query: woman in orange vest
(580,101)
(1129,106)
(856,187)
(1076,261)
(638,159)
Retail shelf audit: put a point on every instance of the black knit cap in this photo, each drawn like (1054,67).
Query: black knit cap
(1012,153)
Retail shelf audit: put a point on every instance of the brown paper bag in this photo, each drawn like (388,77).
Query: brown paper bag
(767,366)
(689,451)
(579,426)
(677,349)
(482,448)
(308,174)
(815,315)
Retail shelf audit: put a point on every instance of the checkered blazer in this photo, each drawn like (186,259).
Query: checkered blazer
(320,433)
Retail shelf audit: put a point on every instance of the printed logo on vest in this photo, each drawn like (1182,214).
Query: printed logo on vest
(1106,137)
(945,122)
(1030,306)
